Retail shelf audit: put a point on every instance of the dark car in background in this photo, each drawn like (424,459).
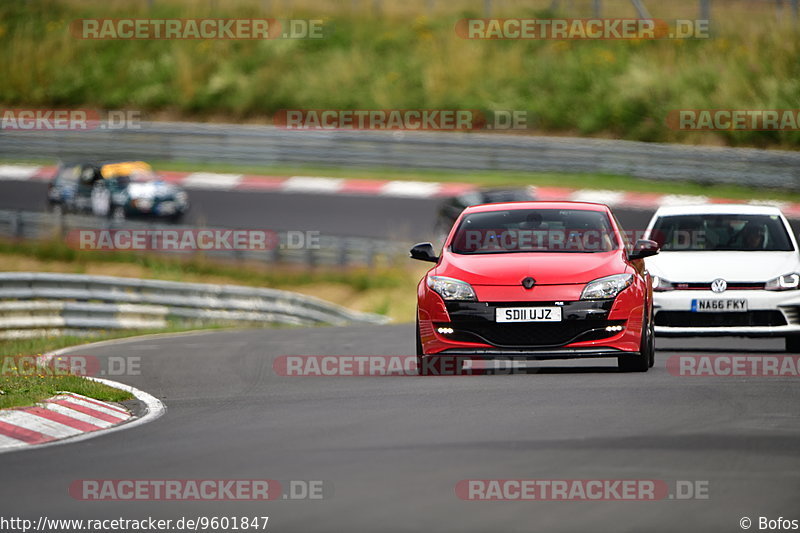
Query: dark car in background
(115,189)
(450,209)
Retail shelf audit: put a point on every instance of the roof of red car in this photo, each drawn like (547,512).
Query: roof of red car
(586,206)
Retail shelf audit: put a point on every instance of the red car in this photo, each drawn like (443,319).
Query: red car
(535,280)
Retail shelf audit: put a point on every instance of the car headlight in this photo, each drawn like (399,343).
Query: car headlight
(451,289)
(607,287)
(662,285)
(786,282)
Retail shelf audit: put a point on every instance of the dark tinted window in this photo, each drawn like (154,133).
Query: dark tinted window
(511,195)
(694,233)
(534,230)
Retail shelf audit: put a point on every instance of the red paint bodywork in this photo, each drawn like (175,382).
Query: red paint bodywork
(559,277)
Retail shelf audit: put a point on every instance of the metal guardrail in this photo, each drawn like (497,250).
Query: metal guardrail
(42,303)
(330,249)
(264,145)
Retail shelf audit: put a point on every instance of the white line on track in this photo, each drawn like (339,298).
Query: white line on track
(312,184)
(210,180)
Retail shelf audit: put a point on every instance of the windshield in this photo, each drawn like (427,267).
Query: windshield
(534,230)
(742,233)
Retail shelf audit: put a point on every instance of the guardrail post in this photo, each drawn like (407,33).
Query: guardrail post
(16,225)
(705,9)
(61,224)
(343,249)
(370,258)
(487,8)
(273,255)
(640,9)
(597,8)
(311,259)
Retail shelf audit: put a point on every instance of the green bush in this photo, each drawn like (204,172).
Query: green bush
(603,88)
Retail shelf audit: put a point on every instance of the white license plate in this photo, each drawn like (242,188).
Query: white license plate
(528,314)
(737,305)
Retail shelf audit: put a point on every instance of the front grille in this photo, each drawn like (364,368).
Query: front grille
(688,319)
(792,313)
(533,334)
(582,321)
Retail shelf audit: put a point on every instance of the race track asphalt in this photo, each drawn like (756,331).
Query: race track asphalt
(401,219)
(391,449)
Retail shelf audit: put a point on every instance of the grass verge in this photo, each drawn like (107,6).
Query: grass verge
(24,382)
(381,58)
(385,290)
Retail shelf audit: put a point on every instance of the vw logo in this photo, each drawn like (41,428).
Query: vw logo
(528,282)
(719,285)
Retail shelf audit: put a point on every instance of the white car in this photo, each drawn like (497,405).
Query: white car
(725,270)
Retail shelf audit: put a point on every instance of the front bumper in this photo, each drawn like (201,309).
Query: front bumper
(469,329)
(769,314)
(533,355)
(157,208)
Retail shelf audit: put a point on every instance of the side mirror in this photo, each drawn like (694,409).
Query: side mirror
(424,252)
(643,248)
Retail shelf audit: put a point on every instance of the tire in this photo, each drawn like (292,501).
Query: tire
(793,344)
(116,213)
(652,335)
(642,361)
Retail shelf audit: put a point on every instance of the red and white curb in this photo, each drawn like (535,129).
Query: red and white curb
(400,188)
(70,417)
(59,417)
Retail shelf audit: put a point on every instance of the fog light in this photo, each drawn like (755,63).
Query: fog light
(445,331)
(613,329)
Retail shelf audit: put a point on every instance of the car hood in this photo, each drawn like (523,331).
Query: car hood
(698,267)
(546,268)
(151,189)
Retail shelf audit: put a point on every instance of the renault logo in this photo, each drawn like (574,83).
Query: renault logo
(528,282)
(719,285)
